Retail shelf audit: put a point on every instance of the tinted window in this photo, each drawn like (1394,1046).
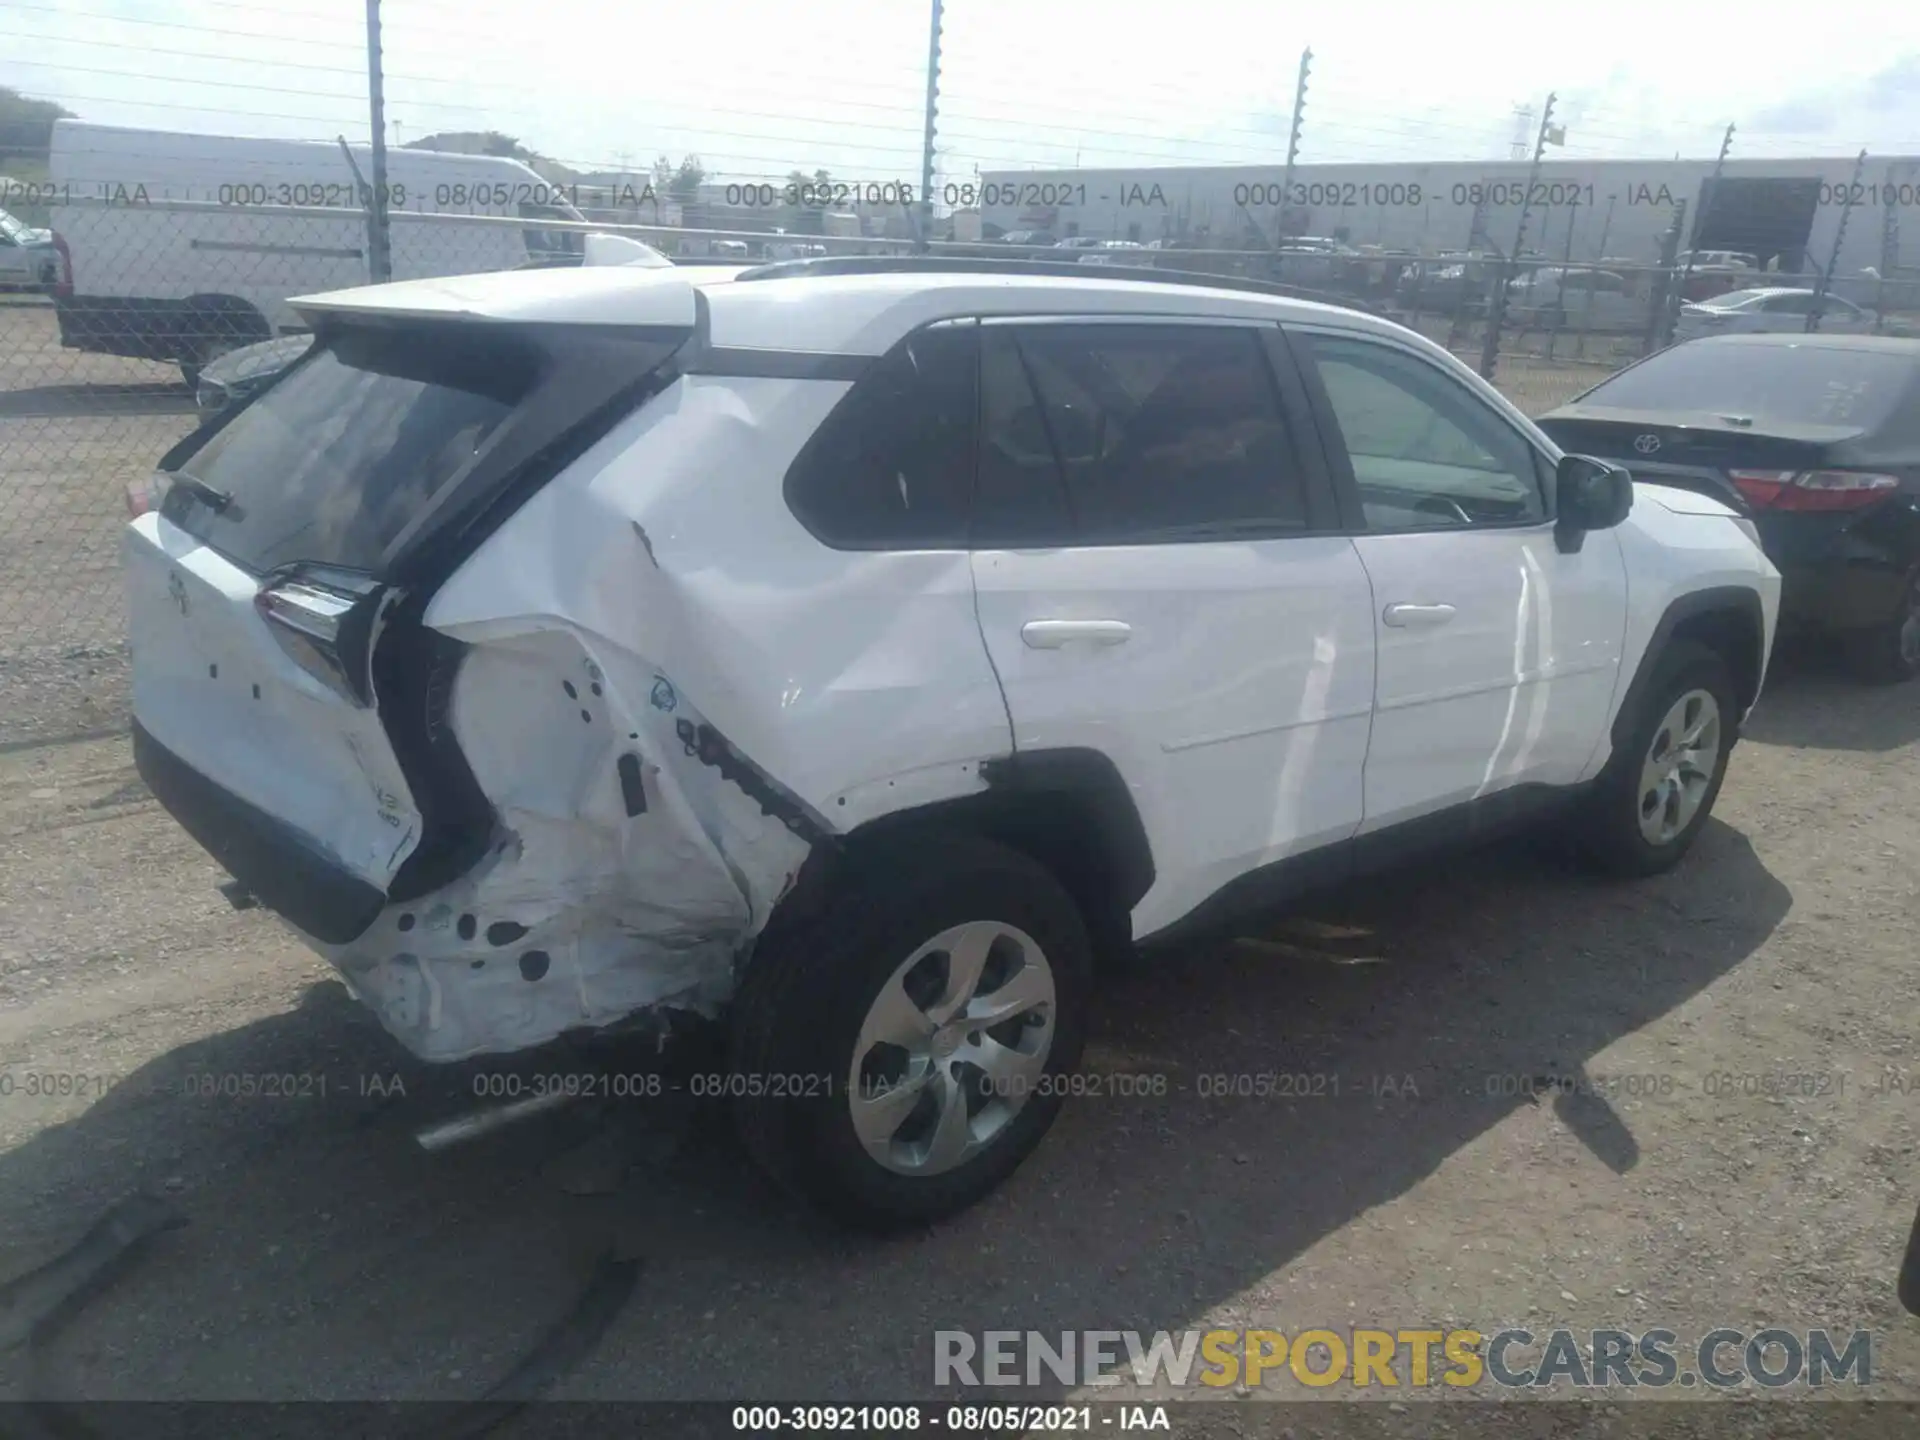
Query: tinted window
(1809,384)
(547,243)
(334,461)
(1112,434)
(892,466)
(1426,451)
(1788,304)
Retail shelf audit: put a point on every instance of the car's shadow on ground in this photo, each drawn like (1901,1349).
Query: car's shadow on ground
(328,1256)
(1812,702)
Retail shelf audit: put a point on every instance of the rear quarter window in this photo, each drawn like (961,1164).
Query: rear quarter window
(891,467)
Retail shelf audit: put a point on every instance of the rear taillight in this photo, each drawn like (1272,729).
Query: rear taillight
(145,495)
(324,629)
(1802,490)
(64,285)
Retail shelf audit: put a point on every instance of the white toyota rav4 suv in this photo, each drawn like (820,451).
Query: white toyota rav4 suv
(859,648)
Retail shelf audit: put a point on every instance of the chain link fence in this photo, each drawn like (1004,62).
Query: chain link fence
(98,380)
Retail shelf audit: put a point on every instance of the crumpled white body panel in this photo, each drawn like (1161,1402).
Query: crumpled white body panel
(580,914)
(664,568)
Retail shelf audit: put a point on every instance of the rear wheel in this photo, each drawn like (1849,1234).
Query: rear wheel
(1890,653)
(1657,791)
(899,1054)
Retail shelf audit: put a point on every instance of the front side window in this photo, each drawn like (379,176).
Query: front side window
(1131,434)
(1426,451)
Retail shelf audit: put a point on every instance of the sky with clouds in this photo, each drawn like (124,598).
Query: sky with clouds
(760,87)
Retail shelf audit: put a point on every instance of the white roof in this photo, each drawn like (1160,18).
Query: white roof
(861,314)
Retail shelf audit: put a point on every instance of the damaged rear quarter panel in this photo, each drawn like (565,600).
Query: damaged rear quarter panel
(834,671)
(658,602)
(598,896)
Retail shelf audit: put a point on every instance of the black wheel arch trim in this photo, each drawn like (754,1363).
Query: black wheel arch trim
(1121,859)
(1092,779)
(1734,599)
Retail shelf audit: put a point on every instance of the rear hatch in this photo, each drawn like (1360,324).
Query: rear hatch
(1688,450)
(289,707)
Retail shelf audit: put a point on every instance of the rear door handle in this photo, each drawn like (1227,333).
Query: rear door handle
(1409,617)
(1053,634)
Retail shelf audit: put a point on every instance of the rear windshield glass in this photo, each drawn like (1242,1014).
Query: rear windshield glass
(1800,384)
(332,463)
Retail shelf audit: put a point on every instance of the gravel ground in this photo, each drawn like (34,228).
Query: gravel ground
(326,1256)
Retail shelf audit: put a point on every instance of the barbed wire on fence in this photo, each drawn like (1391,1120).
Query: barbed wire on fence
(96,381)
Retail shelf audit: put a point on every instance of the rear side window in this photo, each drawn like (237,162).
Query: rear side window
(334,461)
(1131,434)
(891,468)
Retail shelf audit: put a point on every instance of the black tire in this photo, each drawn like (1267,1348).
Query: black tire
(1608,825)
(1888,654)
(807,991)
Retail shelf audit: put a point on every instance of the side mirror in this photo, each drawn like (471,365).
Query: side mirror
(1588,495)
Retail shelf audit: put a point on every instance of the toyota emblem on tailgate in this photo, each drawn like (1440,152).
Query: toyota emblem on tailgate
(1646,444)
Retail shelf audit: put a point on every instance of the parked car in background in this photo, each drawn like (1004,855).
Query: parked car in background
(1028,237)
(1817,439)
(1117,252)
(483,650)
(28,257)
(1079,242)
(1575,298)
(239,375)
(1707,281)
(1728,259)
(1772,309)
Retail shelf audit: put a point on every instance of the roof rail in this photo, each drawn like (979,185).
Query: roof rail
(972,265)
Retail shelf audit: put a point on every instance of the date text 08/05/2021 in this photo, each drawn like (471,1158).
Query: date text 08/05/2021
(959,1419)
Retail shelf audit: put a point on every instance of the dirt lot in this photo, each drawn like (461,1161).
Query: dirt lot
(326,1256)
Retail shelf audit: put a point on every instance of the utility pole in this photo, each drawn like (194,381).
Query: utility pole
(1700,223)
(1833,255)
(1497,310)
(1889,255)
(1666,309)
(1293,145)
(1476,234)
(379,252)
(926,144)
(1566,268)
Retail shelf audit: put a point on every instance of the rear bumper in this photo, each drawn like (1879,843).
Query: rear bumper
(1839,596)
(282,868)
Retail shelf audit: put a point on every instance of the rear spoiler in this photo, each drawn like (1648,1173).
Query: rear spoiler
(632,294)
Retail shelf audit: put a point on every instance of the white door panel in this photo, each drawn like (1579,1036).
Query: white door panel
(1496,653)
(1511,688)
(1236,709)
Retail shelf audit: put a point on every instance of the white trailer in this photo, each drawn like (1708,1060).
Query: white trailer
(178,247)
